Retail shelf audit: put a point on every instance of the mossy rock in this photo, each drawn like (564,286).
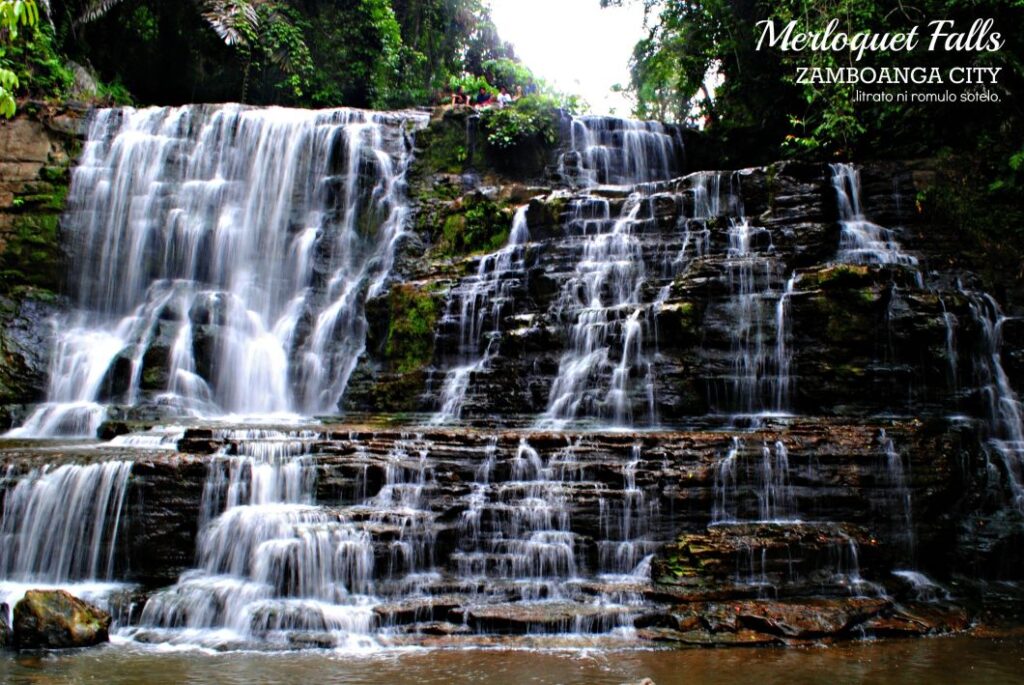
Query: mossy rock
(389,392)
(440,148)
(55,619)
(840,276)
(683,560)
(679,322)
(32,255)
(474,224)
(414,312)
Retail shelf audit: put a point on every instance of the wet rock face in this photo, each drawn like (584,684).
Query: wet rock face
(25,329)
(453,513)
(5,626)
(54,619)
(35,157)
(836,473)
(859,339)
(783,559)
(163,509)
(816,621)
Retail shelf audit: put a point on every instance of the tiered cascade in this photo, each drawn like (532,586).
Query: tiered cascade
(613,151)
(723,389)
(477,306)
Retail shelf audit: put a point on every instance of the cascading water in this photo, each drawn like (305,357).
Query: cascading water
(222,259)
(759,381)
(611,151)
(898,501)
(250,299)
(269,560)
(751,276)
(276,566)
(950,321)
(861,241)
(474,303)
(626,525)
(1005,412)
(60,528)
(753,487)
(602,302)
(783,348)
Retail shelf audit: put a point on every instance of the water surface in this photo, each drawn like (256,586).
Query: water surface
(962,660)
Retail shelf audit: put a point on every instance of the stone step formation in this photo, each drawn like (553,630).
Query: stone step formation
(716,407)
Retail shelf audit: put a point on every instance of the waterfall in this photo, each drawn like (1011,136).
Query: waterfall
(606,363)
(745,484)
(950,321)
(756,312)
(60,527)
(529,541)
(612,151)
(860,240)
(898,499)
(269,560)
(61,524)
(626,523)
(477,300)
(750,277)
(602,304)
(1005,413)
(221,259)
(783,350)
(274,563)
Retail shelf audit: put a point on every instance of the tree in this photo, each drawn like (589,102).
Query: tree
(232,20)
(761,107)
(323,53)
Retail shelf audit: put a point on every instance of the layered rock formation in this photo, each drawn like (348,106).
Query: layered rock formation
(36,152)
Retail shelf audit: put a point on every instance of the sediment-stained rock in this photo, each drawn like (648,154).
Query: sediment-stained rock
(54,619)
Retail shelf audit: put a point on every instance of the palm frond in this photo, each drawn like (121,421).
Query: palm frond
(94,9)
(230,18)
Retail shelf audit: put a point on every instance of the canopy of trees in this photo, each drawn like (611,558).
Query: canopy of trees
(760,106)
(362,53)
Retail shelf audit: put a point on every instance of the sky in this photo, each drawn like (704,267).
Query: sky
(575,45)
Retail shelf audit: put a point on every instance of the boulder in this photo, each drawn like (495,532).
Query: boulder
(55,619)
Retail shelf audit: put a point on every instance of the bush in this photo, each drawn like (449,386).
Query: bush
(533,116)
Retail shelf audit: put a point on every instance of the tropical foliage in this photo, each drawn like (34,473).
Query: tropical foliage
(530,116)
(760,107)
(14,16)
(367,53)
